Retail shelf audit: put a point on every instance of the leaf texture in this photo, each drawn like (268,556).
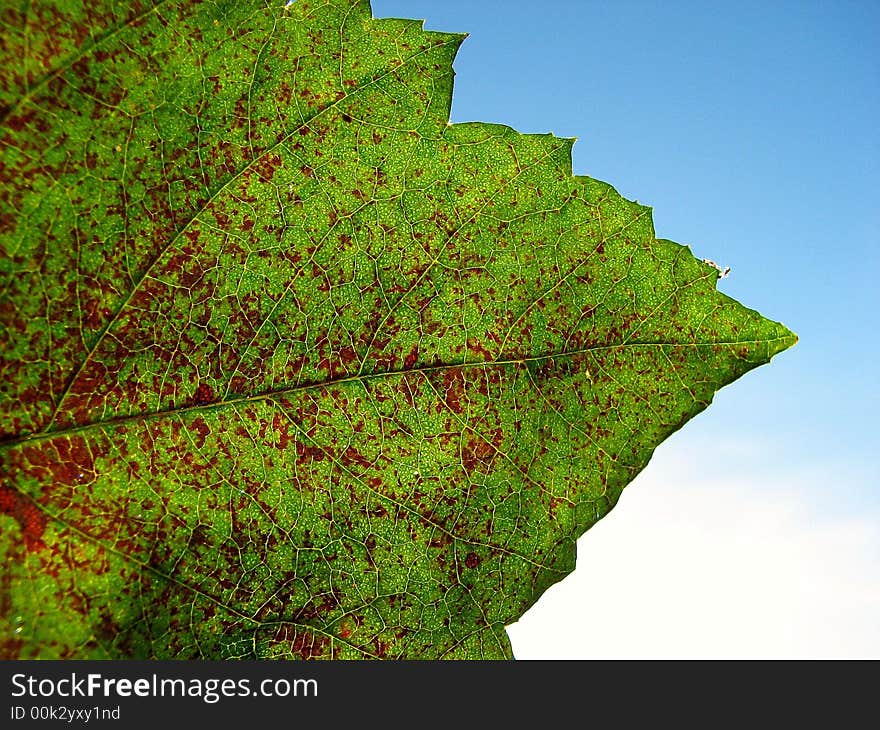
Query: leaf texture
(292,367)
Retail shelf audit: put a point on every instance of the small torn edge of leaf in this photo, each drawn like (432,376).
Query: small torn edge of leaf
(722,273)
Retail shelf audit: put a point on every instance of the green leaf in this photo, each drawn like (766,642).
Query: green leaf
(291,366)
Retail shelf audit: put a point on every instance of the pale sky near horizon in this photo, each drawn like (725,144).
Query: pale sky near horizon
(751,129)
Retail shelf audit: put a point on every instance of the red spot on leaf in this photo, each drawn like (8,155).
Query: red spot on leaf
(348,355)
(352,456)
(453,383)
(412,358)
(29,517)
(267,166)
(480,451)
(201,430)
(204,395)
(477,348)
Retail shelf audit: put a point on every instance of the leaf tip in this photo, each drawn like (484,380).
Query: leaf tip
(781,338)
(787,340)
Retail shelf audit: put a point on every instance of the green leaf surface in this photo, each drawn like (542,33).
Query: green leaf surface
(292,367)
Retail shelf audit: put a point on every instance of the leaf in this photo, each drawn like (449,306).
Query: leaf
(291,366)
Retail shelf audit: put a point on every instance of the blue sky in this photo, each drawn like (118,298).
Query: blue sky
(751,129)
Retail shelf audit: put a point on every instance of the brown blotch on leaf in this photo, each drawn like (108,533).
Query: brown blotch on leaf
(29,517)
(200,430)
(412,358)
(472,560)
(453,389)
(204,394)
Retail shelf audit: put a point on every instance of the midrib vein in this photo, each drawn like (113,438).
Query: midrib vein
(358,377)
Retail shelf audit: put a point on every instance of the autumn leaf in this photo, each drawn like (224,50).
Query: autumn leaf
(292,367)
